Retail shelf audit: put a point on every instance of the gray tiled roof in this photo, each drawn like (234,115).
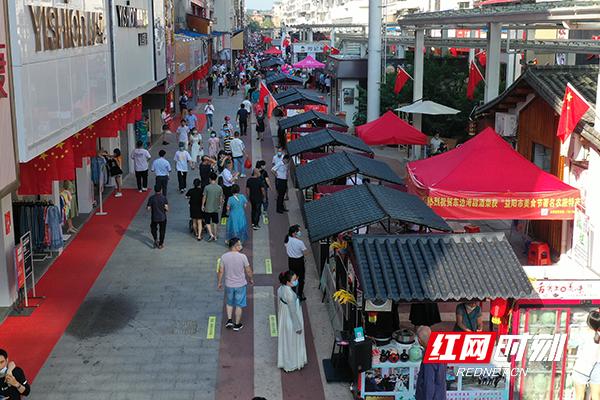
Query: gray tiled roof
(407,207)
(285,93)
(279,77)
(271,62)
(363,205)
(340,212)
(342,164)
(326,137)
(300,98)
(310,116)
(439,267)
(550,83)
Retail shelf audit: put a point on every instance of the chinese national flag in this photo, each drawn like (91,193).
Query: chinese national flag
(271,106)
(482,58)
(83,144)
(108,126)
(334,51)
(401,78)
(573,108)
(453,52)
(35,176)
(475,78)
(285,43)
(63,161)
(264,92)
(325,48)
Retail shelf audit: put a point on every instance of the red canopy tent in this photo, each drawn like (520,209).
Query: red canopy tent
(486,178)
(390,129)
(273,50)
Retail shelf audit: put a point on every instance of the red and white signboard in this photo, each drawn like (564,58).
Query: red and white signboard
(567,289)
(20,264)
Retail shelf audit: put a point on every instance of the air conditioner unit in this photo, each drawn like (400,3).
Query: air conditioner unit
(506,124)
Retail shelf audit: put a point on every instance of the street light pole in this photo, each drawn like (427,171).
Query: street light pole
(374,61)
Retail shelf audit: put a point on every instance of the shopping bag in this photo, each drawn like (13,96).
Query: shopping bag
(248,163)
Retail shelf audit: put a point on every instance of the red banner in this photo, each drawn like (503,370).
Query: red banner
(316,107)
(535,206)
(20,264)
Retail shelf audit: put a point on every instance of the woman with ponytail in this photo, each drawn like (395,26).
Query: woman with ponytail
(295,249)
(291,347)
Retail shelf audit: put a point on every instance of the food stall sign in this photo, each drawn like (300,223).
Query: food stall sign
(307,47)
(567,289)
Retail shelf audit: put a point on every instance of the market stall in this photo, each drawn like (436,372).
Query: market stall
(271,63)
(309,63)
(390,129)
(486,178)
(384,271)
(273,51)
(300,102)
(325,141)
(337,167)
(564,296)
(306,122)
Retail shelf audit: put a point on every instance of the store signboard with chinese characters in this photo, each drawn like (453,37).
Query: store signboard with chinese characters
(307,47)
(160,55)
(567,289)
(133,58)
(8,170)
(61,69)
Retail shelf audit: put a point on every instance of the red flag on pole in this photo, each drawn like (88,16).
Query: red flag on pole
(401,78)
(264,92)
(482,58)
(573,108)
(334,51)
(271,106)
(475,77)
(285,43)
(325,48)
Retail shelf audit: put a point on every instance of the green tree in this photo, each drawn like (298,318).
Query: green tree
(445,82)
(267,24)
(253,26)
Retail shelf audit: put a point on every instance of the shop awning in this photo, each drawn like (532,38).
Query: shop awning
(390,129)
(282,79)
(428,107)
(301,98)
(310,116)
(486,178)
(439,267)
(364,205)
(273,50)
(272,62)
(309,62)
(340,165)
(326,137)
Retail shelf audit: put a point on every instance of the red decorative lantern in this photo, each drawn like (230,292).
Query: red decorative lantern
(498,309)
(317,196)
(372,316)
(303,161)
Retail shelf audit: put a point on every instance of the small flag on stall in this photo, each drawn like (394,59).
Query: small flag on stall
(401,78)
(475,77)
(264,92)
(573,108)
(482,58)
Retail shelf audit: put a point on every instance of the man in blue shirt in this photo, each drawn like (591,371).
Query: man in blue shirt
(161,167)
(431,380)
(191,120)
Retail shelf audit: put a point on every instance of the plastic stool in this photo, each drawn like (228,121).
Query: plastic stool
(539,254)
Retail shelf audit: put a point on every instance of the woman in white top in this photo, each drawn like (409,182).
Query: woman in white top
(587,366)
(197,149)
(295,250)
(291,345)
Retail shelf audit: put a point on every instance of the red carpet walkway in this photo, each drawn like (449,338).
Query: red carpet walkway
(30,340)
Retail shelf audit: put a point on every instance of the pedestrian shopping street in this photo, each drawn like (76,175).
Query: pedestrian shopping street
(144,329)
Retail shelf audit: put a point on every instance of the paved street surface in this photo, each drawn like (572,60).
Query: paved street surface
(143,330)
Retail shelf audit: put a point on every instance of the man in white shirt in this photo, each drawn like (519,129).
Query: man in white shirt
(229,178)
(238,151)
(278,157)
(209,111)
(161,167)
(140,157)
(248,106)
(183,133)
(281,173)
(182,158)
(435,144)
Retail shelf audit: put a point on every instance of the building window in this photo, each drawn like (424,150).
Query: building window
(463,4)
(542,156)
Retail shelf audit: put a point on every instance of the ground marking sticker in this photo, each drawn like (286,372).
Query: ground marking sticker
(212,324)
(268,266)
(265,220)
(224,221)
(273,325)
(218,263)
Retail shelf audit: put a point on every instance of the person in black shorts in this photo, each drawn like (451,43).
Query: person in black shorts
(212,201)
(195,197)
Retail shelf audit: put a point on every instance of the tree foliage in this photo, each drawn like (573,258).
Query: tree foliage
(445,82)
(253,26)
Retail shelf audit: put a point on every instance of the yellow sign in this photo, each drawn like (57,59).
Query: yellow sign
(218,263)
(273,325)
(212,325)
(268,266)
(224,221)
(265,220)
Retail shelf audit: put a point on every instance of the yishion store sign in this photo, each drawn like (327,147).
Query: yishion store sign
(131,17)
(63,28)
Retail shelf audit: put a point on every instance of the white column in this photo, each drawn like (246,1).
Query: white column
(309,35)
(85,186)
(418,73)
(472,34)
(332,36)
(8,278)
(131,145)
(511,60)
(374,60)
(492,68)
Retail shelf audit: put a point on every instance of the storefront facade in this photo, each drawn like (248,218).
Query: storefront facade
(78,71)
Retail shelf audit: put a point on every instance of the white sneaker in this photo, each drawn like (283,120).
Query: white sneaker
(242,175)
(144,189)
(140,191)
(118,194)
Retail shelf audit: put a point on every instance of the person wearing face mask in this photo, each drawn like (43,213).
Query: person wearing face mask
(278,157)
(586,370)
(291,345)
(295,249)
(13,383)
(468,317)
